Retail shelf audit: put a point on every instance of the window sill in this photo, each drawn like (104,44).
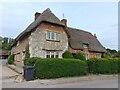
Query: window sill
(53,40)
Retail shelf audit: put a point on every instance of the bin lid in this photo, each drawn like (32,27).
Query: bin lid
(28,67)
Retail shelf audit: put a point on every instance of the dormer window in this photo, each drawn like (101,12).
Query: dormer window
(85,45)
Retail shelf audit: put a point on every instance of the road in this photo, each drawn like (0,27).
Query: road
(8,81)
(88,84)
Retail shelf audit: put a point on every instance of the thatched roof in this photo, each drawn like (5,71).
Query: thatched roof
(76,37)
(79,37)
(46,16)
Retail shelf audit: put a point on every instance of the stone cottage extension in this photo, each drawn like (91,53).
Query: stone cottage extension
(49,37)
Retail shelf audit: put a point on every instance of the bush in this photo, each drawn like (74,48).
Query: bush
(56,68)
(80,56)
(31,61)
(27,55)
(103,66)
(67,54)
(10,58)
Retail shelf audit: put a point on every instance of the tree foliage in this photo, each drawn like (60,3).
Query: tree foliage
(111,53)
(10,58)
(6,43)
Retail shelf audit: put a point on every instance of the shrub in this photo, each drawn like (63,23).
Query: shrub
(103,66)
(10,58)
(80,56)
(67,54)
(31,61)
(56,68)
(27,55)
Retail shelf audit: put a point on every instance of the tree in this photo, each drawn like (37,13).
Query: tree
(10,58)
(0,42)
(111,53)
(27,55)
(6,43)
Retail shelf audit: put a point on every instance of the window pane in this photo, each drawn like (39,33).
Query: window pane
(52,56)
(60,36)
(48,34)
(57,36)
(48,56)
(52,36)
(85,46)
(56,56)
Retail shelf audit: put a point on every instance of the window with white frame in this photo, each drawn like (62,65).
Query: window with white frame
(53,35)
(98,55)
(52,54)
(85,46)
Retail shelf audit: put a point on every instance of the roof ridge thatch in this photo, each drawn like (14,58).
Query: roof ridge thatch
(79,29)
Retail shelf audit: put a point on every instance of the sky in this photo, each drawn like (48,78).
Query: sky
(95,17)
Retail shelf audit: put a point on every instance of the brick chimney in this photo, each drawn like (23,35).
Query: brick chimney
(95,35)
(64,21)
(37,14)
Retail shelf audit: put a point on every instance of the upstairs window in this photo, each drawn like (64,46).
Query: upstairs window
(53,36)
(48,35)
(85,45)
(56,36)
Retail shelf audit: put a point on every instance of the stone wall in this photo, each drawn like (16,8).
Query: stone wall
(38,43)
(19,48)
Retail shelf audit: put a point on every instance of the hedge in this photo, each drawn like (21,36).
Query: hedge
(104,66)
(56,68)
(31,61)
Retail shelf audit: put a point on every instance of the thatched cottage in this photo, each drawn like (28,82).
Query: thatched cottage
(49,37)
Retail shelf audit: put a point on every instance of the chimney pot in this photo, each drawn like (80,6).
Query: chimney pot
(64,21)
(37,14)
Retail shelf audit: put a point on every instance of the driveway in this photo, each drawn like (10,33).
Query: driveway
(8,75)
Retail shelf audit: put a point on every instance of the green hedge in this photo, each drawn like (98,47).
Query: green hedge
(56,68)
(104,66)
(31,61)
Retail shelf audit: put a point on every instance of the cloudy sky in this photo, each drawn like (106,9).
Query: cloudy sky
(95,17)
